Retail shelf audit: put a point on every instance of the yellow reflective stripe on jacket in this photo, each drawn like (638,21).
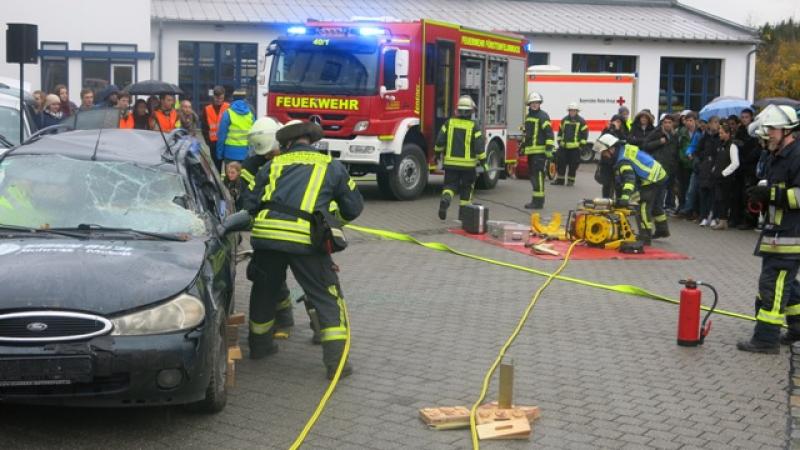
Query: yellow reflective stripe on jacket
(466,160)
(261,328)
(249,178)
(239,128)
(535,148)
(791,196)
(313,187)
(781,245)
(260,233)
(793,310)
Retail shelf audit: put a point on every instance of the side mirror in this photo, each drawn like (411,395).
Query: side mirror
(239,221)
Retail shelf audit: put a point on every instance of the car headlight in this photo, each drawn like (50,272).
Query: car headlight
(182,313)
(361,126)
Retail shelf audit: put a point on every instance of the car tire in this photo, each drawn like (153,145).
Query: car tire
(494,159)
(587,154)
(409,176)
(217,390)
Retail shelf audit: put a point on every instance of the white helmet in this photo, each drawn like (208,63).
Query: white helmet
(465,103)
(535,97)
(782,117)
(574,106)
(261,138)
(605,142)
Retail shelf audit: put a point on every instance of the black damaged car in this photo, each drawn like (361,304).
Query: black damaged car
(117,268)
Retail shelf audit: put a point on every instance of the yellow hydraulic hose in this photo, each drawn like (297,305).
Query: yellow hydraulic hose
(488,377)
(331,387)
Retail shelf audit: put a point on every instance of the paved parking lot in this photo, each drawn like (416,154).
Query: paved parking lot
(603,367)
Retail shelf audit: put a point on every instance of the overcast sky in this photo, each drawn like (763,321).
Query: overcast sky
(749,12)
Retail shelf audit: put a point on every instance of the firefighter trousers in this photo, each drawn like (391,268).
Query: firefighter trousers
(461,181)
(778,298)
(567,162)
(651,208)
(316,276)
(536,167)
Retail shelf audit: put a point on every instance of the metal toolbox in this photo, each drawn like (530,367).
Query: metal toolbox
(474,218)
(508,232)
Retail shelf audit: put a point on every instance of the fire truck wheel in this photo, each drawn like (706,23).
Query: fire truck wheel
(587,154)
(410,174)
(494,160)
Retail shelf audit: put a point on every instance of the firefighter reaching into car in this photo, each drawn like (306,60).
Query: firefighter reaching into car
(292,191)
(538,147)
(636,170)
(572,136)
(463,147)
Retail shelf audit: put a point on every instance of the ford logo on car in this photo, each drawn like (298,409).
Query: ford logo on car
(37,327)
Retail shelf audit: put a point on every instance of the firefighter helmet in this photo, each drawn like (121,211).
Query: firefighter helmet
(573,106)
(295,129)
(605,142)
(261,138)
(465,103)
(535,97)
(783,117)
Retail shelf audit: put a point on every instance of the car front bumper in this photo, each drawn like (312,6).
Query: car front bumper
(109,371)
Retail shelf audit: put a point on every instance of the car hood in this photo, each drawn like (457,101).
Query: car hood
(98,276)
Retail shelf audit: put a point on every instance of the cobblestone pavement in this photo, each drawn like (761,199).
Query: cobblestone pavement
(603,367)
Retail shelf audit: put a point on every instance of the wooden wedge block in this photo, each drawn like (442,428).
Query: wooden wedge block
(506,429)
(236,319)
(234,353)
(232,335)
(230,378)
(491,412)
(445,417)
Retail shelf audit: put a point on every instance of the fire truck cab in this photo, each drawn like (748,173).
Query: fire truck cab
(382,90)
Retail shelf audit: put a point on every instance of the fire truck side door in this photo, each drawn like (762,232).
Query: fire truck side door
(443,82)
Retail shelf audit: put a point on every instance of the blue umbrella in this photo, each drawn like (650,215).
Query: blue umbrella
(724,108)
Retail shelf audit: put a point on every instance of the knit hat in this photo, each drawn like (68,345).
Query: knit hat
(51,99)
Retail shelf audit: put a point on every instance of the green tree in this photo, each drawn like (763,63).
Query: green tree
(778,62)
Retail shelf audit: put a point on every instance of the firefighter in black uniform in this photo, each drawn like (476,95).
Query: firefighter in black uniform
(463,146)
(538,147)
(779,244)
(572,135)
(304,180)
(263,147)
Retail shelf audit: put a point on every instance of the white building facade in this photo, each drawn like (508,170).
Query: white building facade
(683,58)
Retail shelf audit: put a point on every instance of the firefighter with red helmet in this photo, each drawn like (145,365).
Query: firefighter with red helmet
(538,147)
(463,147)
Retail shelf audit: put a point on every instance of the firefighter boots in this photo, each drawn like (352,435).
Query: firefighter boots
(444,203)
(662,230)
(331,354)
(645,237)
(284,320)
(557,182)
(261,345)
(536,203)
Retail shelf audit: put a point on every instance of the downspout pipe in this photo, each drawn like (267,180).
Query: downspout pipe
(161,50)
(746,76)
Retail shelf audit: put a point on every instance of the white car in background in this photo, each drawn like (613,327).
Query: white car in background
(9,116)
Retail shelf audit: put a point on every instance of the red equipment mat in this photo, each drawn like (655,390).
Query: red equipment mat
(581,252)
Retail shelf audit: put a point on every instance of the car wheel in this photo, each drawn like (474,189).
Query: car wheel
(410,174)
(217,391)
(587,154)
(494,160)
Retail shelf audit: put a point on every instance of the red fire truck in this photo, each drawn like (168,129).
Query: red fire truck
(381,91)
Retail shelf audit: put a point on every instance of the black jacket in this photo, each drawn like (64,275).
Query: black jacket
(704,159)
(303,179)
(779,236)
(666,154)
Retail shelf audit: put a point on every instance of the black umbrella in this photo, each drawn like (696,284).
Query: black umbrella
(777,101)
(153,87)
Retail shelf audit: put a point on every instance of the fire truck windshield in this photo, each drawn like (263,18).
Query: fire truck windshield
(325,68)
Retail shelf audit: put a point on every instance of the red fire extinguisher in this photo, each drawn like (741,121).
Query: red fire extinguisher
(690,331)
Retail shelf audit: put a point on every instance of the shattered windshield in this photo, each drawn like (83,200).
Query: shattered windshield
(59,192)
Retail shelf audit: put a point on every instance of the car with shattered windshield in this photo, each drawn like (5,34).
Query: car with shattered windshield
(117,263)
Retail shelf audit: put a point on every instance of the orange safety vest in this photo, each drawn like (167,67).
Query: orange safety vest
(166,124)
(213,119)
(126,122)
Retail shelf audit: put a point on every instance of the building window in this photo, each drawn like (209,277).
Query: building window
(203,65)
(538,59)
(54,68)
(100,71)
(603,63)
(688,83)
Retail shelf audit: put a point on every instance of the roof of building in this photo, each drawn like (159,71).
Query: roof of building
(631,19)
